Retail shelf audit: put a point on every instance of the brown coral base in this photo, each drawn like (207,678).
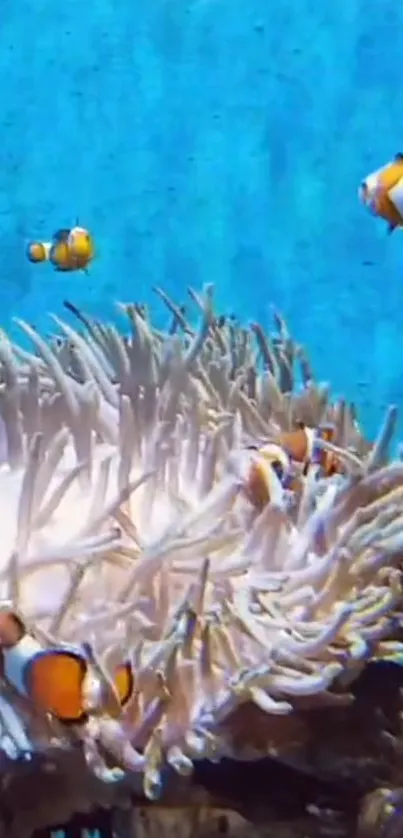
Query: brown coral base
(176,823)
(232,799)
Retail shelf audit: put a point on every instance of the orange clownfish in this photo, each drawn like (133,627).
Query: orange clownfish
(255,466)
(69,250)
(382,193)
(302,447)
(54,679)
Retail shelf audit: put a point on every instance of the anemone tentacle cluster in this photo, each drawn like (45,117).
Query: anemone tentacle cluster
(126,527)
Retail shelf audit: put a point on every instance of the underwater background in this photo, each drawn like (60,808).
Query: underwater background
(210,141)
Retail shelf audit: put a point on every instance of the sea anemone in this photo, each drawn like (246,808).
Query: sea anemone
(129,532)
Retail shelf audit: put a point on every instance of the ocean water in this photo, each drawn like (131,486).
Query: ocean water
(211,140)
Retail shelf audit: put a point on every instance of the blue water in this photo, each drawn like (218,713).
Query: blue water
(211,140)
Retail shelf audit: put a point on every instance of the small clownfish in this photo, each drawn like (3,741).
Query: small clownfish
(53,679)
(282,465)
(69,250)
(302,446)
(382,193)
(255,466)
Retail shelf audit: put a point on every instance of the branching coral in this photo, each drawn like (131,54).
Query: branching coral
(126,526)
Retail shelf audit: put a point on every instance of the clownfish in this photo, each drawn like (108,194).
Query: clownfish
(54,679)
(254,466)
(69,250)
(382,193)
(302,447)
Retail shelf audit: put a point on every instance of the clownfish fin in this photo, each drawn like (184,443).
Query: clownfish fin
(391,229)
(61,235)
(54,683)
(123,681)
(12,629)
(399,157)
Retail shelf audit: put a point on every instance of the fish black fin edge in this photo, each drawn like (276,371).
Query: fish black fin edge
(61,235)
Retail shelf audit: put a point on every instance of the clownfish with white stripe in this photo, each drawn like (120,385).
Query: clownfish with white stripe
(382,193)
(286,459)
(257,467)
(57,680)
(258,478)
(70,250)
(303,446)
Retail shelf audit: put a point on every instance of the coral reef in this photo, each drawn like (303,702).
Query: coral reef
(153,513)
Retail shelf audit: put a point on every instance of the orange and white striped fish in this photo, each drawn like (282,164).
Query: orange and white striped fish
(70,250)
(258,468)
(303,446)
(54,679)
(288,458)
(382,193)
